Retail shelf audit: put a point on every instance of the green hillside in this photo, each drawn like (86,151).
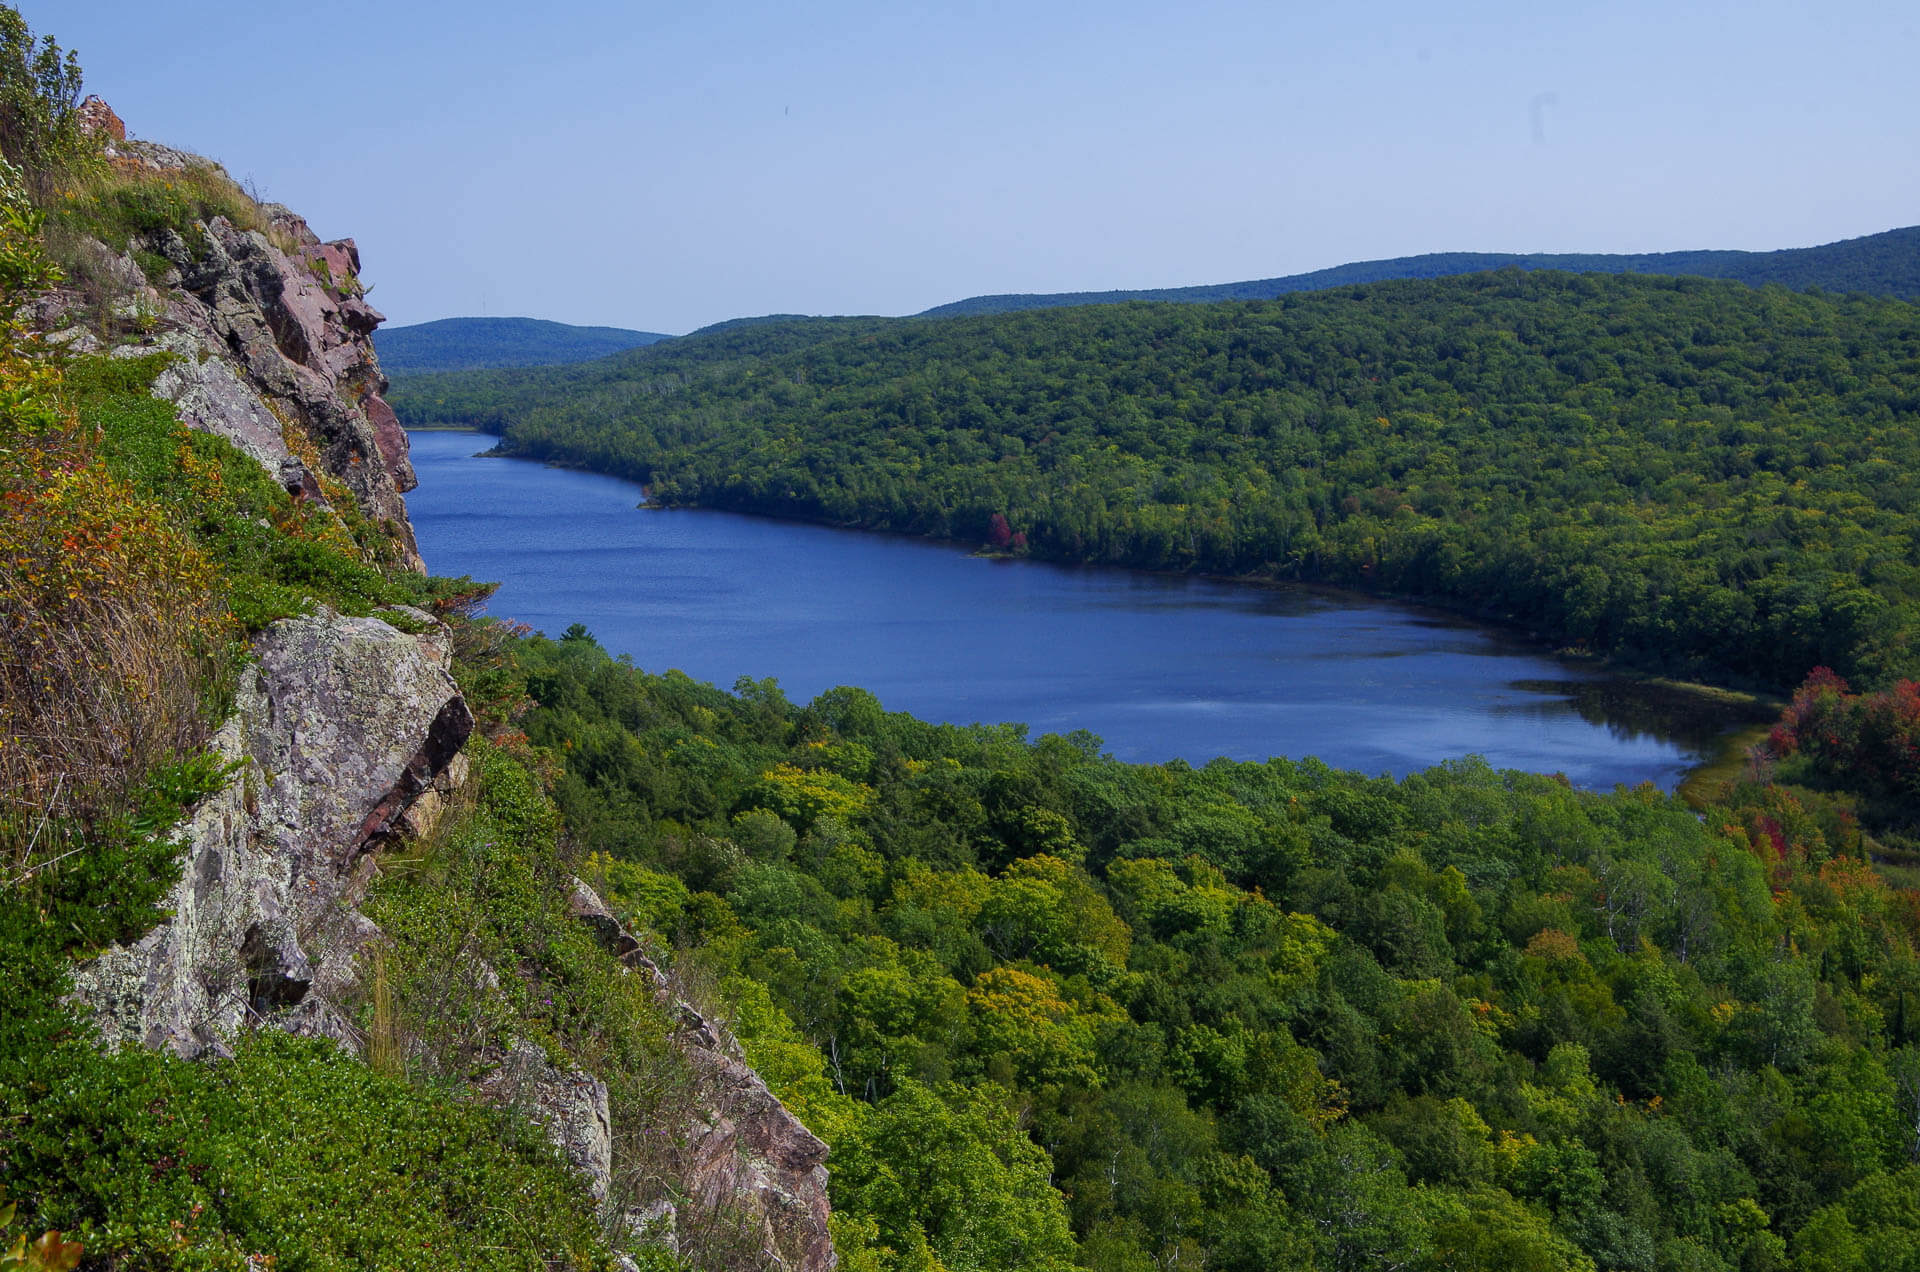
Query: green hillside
(1878,264)
(459,344)
(1692,475)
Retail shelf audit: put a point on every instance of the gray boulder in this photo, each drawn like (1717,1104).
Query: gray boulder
(340,724)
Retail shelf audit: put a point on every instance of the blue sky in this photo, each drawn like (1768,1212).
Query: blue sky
(666,166)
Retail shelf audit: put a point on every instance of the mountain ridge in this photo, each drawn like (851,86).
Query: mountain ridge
(1885,264)
(473,344)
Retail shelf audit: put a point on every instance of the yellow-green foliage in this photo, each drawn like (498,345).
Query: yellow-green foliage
(802,796)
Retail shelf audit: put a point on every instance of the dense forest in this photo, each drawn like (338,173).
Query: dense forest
(460,344)
(1694,476)
(1053,1010)
(1877,264)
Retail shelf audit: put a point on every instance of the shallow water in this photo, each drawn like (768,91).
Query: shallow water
(1158,666)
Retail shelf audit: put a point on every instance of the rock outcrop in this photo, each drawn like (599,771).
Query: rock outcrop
(336,727)
(97,117)
(270,329)
(745,1152)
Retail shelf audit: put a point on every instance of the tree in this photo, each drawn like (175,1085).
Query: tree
(39,105)
(950,1174)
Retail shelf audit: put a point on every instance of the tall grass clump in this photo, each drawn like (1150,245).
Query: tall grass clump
(117,203)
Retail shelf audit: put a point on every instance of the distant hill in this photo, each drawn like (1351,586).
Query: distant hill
(471,344)
(1879,264)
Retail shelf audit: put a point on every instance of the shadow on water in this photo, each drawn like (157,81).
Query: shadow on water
(1696,720)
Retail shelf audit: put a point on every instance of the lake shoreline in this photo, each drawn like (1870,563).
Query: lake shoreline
(1632,700)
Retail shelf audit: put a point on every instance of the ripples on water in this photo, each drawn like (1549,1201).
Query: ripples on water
(1159,666)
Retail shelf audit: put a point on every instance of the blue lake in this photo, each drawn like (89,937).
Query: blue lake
(1158,666)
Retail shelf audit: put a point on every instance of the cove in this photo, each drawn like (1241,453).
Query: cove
(1158,666)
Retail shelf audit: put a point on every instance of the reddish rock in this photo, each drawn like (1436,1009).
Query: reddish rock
(97,118)
(392,441)
(340,259)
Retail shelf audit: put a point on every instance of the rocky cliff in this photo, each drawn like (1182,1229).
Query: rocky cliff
(346,732)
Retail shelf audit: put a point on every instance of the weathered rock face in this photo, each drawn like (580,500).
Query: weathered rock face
(296,337)
(337,728)
(271,331)
(746,1153)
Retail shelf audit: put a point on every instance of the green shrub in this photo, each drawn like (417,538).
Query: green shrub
(275,554)
(290,1150)
(39,89)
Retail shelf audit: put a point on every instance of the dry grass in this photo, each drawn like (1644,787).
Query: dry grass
(111,633)
(117,201)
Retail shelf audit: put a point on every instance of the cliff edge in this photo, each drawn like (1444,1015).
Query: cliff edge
(345,742)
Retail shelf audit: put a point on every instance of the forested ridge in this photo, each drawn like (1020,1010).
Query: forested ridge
(1690,475)
(1886,264)
(455,344)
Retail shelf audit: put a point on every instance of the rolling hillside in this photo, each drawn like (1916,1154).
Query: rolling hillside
(466,344)
(1878,264)
(1693,475)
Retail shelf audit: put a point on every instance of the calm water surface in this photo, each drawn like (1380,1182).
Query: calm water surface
(1159,666)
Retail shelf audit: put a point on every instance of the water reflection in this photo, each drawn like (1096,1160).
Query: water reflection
(1650,709)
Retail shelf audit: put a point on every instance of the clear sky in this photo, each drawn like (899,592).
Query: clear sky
(664,166)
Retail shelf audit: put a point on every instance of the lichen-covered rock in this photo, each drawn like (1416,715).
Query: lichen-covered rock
(378,718)
(337,727)
(569,1104)
(210,397)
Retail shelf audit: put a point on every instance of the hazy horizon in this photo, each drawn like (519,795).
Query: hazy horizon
(662,170)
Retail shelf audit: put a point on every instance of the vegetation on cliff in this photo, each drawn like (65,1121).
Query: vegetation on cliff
(134,556)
